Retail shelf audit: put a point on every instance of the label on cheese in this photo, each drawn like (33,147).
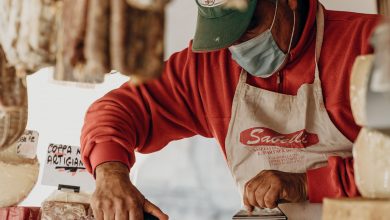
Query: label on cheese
(27,144)
(63,166)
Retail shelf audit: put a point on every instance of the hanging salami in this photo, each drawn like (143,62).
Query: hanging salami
(13,103)
(27,33)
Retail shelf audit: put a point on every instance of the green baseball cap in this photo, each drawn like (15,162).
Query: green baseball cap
(219,27)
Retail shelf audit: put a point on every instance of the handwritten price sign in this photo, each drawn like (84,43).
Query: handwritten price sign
(63,166)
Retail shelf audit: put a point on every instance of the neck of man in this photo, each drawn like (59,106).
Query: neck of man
(284,22)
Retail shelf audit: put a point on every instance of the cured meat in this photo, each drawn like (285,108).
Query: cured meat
(20,213)
(137,40)
(13,104)
(62,210)
(70,43)
(27,33)
(13,91)
(83,53)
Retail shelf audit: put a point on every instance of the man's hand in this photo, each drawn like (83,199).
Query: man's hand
(271,186)
(116,198)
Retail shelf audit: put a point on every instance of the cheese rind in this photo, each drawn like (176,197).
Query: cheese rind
(355,209)
(358,87)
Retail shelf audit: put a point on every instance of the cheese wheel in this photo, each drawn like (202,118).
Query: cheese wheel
(355,209)
(18,176)
(358,87)
(17,181)
(372,163)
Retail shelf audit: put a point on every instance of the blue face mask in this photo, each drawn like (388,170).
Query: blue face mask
(261,56)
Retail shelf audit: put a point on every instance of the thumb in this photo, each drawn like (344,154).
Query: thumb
(154,210)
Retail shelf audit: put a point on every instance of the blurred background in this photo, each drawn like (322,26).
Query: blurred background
(189,179)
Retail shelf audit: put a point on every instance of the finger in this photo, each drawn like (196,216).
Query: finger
(136,214)
(108,215)
(154,210)
(260,194)
(98,214)
(271,197)
(249,194)
(121,215)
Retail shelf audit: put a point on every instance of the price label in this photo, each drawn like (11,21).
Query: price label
(27,144)
(63,166)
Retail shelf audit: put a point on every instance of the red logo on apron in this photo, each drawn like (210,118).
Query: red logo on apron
(256,137)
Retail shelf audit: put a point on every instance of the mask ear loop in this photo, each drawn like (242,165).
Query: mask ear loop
(292,34)
(276,12)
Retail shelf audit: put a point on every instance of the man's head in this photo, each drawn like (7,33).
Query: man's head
(219,27)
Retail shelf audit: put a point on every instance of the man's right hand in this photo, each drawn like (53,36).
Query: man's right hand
(116,198)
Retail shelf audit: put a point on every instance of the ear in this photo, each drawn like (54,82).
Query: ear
(293,4)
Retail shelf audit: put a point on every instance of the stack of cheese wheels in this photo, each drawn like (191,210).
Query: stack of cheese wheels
(18,175)
(13,103)
(358,87)
(372,148)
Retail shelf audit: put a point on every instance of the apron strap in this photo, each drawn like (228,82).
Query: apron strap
(243,77)
(319,39)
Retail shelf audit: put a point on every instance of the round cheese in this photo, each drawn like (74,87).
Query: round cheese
(358,87)
(372,163)
(17,181)
(18,175)
(355,209)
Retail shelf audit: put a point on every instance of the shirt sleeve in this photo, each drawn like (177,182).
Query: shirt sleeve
(144,118)
(333,181)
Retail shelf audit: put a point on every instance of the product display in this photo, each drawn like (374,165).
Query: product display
(110,35)
(371,163)
(27,33)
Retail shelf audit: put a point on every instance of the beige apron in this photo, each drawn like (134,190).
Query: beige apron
(273,131)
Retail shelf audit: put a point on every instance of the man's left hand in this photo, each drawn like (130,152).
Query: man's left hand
(270,186)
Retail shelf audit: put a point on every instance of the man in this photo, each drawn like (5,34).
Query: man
(270,83)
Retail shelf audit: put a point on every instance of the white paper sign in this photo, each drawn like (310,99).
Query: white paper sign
(63,166)
(27,144)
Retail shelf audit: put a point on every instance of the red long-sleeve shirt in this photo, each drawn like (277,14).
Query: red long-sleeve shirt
(194,97)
